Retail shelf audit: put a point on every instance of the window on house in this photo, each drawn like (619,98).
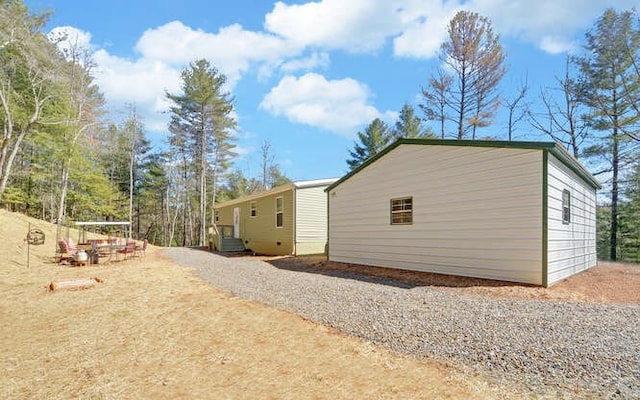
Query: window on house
(279,212)
(253,210)
(217,216)
(402,211)
(566,207)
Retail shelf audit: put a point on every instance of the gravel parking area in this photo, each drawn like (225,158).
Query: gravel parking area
(551,347)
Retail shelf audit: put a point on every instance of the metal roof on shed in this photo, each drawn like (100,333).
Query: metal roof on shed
(557,150)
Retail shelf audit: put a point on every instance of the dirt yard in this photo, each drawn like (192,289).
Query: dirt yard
(152,330)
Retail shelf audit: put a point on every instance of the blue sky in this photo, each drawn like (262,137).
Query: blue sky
(307,76)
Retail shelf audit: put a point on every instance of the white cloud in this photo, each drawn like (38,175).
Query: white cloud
(314,61)
(242,152)
(337,105)
(534,20)
(68,38)
(300,37)
(143,80)
(554,45)
(353,26)
(551,25)
(232,50)
(142,83)
(425,27)
(165,51)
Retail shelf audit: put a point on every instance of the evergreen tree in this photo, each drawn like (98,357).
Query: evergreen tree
(409,125)
(375,138)
(152,218)
(201,127)
(238,185)
(611,86)
(277,177)
(629,218)
(135,147)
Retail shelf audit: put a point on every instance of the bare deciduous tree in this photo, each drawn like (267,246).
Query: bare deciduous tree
(435,99)
(561,117)
(517,108)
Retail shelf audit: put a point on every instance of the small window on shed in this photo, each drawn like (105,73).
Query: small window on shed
(566,207)
(252,208)
(217,215)
(279,212)
(402,211)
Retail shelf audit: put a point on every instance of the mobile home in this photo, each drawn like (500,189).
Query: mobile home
(286,220)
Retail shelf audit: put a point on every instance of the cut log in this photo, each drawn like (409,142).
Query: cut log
(76,284)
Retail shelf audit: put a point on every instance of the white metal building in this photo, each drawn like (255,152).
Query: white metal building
(513,211)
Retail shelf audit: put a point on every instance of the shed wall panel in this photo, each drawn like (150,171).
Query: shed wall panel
(476,212)
(311,220)
(571,247)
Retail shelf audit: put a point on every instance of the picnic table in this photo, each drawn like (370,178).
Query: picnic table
(108,250)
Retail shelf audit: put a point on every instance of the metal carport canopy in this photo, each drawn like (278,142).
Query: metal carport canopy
(101,223)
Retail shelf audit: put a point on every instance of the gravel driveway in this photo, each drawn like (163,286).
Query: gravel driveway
(549,347)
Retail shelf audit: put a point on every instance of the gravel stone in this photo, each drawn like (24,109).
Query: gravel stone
(552,348)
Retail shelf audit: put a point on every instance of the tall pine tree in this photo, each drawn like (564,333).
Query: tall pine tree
(202,128)
(611,88)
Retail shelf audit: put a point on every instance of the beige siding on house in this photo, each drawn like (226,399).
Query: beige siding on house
(311,220)
(225,216)
(260,233)
(476,212)
(571,247)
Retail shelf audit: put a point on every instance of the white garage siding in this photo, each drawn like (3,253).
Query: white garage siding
(572,246)
(311,220)
(477,211)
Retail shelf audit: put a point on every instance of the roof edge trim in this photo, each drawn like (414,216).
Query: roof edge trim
(552,147)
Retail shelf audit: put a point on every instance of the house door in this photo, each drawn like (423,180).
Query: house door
(236,223)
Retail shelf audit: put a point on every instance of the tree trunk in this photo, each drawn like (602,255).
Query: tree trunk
(6,141)
(63,190)
(131,164)
(6,171)
(203,191)
(6,164)
(213,195)
(186,200)
(77,284)
(463,100)
(615,163)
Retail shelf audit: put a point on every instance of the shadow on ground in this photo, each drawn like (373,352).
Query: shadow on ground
(404,279)
(387,276)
